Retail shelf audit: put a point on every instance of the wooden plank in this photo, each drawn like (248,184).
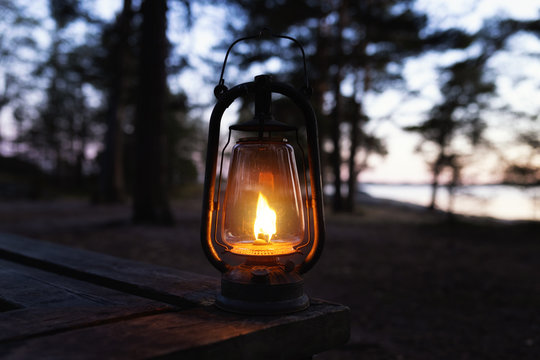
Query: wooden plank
(193,330)
(22,324)
(30,287)
(199,333)
(51,303)
(168,285)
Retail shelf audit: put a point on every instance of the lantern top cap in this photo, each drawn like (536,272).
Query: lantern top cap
(269,125)
(258,140)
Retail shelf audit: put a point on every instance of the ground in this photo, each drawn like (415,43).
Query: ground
(418,286)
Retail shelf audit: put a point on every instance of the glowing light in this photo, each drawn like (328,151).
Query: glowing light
(265,222)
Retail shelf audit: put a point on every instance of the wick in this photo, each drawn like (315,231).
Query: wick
(262,239)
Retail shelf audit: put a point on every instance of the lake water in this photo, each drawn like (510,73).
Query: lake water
(498,201)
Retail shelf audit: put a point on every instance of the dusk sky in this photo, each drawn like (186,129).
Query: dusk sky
(401,164)
(517,72)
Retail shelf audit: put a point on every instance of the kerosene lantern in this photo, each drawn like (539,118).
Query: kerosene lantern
(264,227)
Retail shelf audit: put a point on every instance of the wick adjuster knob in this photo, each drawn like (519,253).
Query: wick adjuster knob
(259,274)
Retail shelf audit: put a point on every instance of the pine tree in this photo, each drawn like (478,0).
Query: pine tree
(344,39)
(150,198)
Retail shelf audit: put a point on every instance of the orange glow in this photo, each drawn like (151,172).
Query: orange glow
(265,222)
(263,212)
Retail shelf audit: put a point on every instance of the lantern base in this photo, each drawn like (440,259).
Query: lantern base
(262,290)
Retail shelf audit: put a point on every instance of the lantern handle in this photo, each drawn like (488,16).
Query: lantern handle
(220,88)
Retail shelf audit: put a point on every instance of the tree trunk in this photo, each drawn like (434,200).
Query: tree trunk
(434,187)
(112,184)
(356,141)
(357,121)
(437,167)
(150,198)
(452,186)
(320,87)
(4,100)
(353,173)
(337,201)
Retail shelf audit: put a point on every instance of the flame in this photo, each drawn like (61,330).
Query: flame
(265,222)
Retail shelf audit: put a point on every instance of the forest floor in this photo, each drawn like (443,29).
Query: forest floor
(419,286)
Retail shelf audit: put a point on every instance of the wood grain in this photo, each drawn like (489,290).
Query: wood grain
(49,302)
(204,333)
(64,303)
(168,285)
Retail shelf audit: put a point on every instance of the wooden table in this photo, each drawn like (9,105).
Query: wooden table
(64,303)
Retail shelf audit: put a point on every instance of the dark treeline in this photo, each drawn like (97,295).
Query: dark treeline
(104,121)
(92,111)
(364,45)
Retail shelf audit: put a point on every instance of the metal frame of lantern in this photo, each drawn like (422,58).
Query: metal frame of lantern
(263,284)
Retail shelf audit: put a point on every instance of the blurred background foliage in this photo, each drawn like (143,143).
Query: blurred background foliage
(90,106)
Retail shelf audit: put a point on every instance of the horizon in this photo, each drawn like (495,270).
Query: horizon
(517,77)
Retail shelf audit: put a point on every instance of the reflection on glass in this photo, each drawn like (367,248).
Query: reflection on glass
(262,212)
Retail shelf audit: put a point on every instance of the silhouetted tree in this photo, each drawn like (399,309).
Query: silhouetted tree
(359,155)
(524,171)
(62,129)
(466,88)
(119,69)
(16,29)
(150,199)
(459,113)
(347,42)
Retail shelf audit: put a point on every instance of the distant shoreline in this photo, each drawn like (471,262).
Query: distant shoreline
(444,185)
(498,201)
